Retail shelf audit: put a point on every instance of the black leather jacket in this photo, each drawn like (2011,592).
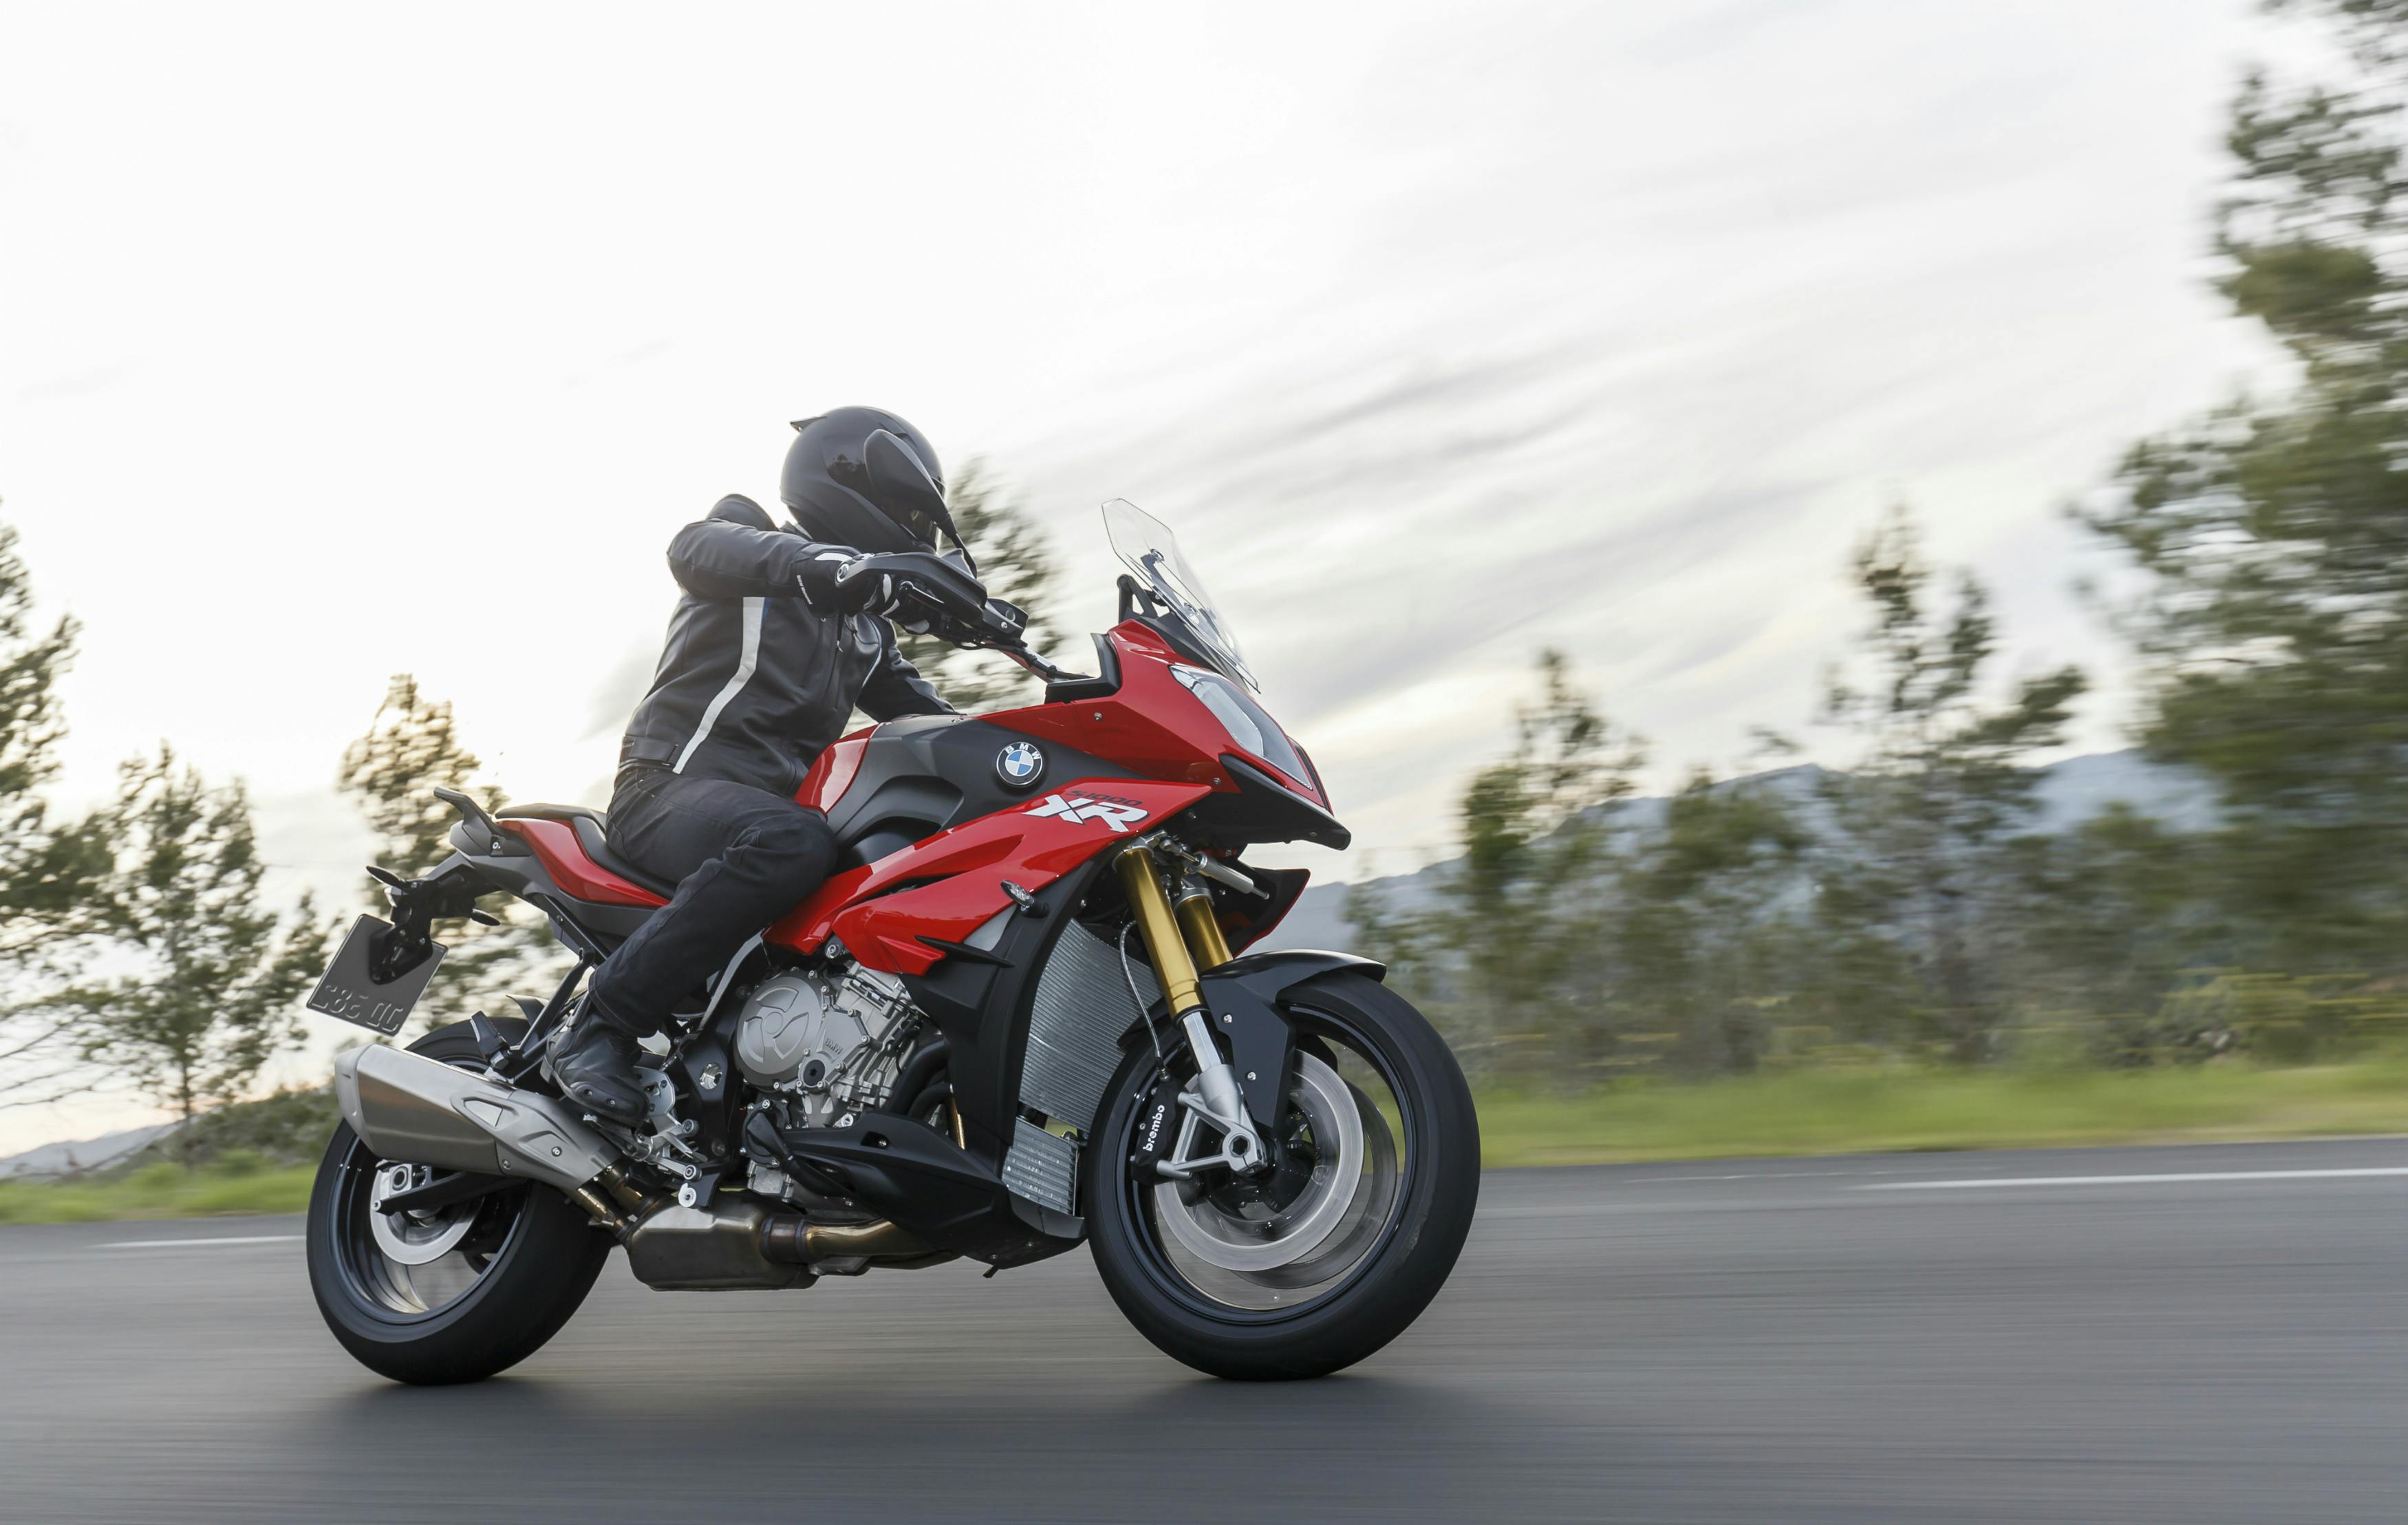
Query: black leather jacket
(755,682)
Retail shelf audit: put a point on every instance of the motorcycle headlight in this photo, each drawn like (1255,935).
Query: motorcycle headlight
(1248,724)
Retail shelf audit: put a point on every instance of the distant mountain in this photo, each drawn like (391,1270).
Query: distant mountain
(52,1160)
(2068,794)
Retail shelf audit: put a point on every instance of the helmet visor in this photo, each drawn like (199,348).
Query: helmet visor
(904,489)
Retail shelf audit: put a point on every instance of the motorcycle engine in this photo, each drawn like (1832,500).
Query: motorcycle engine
(830,1041)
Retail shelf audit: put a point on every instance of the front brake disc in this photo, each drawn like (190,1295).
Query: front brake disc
(1232,1243)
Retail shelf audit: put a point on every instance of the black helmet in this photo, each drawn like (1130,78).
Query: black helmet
(862,477)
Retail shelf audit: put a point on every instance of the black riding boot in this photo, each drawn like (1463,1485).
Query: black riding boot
(593,1061)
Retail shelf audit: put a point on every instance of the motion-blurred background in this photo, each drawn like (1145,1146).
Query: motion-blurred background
(1844,561)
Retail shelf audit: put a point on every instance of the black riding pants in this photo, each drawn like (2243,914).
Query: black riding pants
(741,858)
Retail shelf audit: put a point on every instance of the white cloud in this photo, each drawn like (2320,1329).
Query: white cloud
(335,343)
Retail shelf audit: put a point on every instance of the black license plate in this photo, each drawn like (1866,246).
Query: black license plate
(350,991)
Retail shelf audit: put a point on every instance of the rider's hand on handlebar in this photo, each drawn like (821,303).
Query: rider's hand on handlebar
(921,592)
(862,587)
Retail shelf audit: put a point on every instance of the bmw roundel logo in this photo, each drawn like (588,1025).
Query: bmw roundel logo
(1020,764)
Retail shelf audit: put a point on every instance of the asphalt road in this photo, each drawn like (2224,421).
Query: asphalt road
(2207,1335)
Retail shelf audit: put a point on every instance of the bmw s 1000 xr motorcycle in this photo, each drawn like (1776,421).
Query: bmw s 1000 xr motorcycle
(1021,1015)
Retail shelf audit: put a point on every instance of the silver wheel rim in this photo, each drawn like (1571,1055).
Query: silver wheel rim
(1296,1231)
(409,1264)
(416,1239)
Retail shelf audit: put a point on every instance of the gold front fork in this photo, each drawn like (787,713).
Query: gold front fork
(1176,941)
(1181,941)
(1173,964)
(1203,928)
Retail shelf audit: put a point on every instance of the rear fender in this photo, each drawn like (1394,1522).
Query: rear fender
(1245,997)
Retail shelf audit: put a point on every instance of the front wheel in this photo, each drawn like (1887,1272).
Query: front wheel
(1314,1263)
(454,1294)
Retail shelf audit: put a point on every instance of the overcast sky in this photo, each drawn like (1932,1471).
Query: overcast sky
(337,342)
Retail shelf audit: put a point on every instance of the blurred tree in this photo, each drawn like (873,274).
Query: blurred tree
(213,979)
(2274,629)
(411,748)
(1018,568)
(1511,954)
(2105,922)
(1698,941)
(1942,786)
(1524,906)
(48,868)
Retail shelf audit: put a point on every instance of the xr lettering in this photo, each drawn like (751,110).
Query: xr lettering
(1080,808)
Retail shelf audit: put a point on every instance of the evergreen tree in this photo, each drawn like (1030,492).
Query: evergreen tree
(49,870)
(2275,632)
(1943,786)
(212,979)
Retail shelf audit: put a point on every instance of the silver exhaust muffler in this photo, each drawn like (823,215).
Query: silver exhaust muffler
(412,1109)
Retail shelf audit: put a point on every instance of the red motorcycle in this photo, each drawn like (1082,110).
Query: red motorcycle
(1018,1016)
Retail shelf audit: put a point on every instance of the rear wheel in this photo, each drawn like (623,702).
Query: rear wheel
(454,1294)
(1323,1258)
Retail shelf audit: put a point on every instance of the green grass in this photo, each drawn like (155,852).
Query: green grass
(1797,1112)
(158,1191)
(1818,1112)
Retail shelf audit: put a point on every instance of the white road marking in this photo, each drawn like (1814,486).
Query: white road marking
(1978,1183)
(187,1244)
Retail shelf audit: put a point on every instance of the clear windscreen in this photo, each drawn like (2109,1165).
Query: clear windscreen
(1151,551)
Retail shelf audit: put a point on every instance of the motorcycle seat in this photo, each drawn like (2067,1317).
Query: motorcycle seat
(591,826)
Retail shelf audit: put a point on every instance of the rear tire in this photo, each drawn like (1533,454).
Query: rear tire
(1367,1305)
(546,1260)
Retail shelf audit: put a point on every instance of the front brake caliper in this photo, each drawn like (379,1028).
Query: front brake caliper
(1157,1126)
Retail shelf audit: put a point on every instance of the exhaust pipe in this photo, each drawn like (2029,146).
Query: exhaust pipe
(740,1242)
(409,1108)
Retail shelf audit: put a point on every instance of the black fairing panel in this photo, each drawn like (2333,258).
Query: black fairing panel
(1248,919)
(921,774)
(1260,810)
(983,1010)
(910,1173)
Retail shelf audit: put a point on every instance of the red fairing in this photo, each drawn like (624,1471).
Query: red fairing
(578,876)
(1032,845)
(1152,726)
(833,771)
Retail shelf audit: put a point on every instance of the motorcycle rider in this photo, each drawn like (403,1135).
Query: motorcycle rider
(780,632)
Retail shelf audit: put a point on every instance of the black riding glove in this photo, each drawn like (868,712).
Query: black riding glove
(818,580)
(868,585)
(849,582)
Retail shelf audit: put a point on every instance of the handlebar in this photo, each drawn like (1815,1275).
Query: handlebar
(937,596)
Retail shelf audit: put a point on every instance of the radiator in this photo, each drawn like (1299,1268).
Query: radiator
(1082,1008)
(1076,1020)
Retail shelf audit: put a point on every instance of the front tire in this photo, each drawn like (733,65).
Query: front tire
(1355,1288)
(503,1278)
